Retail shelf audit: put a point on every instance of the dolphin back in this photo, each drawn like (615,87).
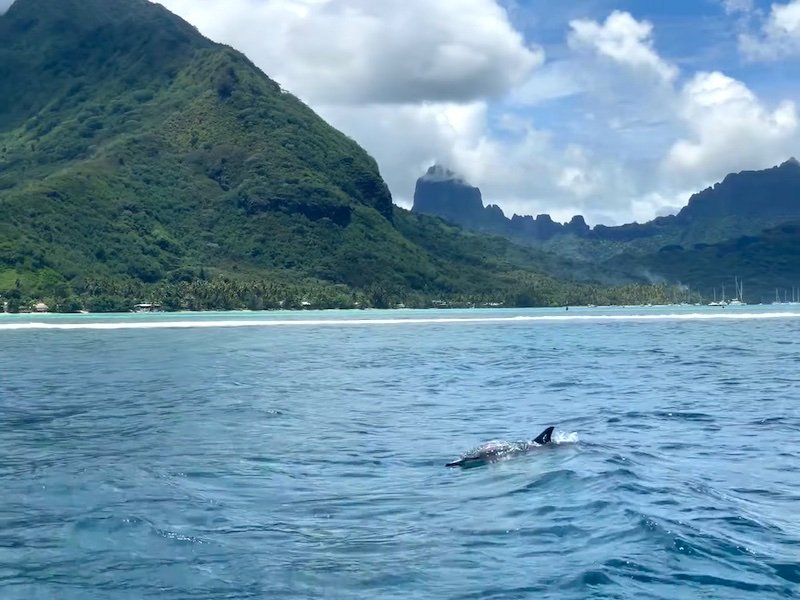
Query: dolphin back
(492,451)
(544,437)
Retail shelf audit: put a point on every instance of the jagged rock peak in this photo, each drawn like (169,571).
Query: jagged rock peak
(792,162)
(439,172)
(578,220)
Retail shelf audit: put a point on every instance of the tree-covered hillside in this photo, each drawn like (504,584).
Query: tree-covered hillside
(139,160)
(764,263)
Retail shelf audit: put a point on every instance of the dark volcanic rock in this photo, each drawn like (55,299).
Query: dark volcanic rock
(740,201)
(578,226)
(541,228)
(442,193)
(771,193)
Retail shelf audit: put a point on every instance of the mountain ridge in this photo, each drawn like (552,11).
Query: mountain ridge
(139,160)
(744,226)
(738,195)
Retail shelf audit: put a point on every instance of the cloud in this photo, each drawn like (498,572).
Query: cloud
(624,41)
(737,6)
(554,81)
(362,51)
(5,5)
(420,81)
(605,128)
(730,129)
(407,139)
(522,168)
(779,36)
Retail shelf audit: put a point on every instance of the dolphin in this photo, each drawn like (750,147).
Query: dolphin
(494,451)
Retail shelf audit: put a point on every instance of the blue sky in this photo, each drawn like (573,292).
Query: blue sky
(695,35)
(615,109)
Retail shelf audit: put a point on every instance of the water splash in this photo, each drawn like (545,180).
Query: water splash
(561,437)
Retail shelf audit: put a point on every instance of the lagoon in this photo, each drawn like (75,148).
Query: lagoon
(296,455)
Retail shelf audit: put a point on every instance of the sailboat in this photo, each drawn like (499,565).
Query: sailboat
(716,302)
(738,300)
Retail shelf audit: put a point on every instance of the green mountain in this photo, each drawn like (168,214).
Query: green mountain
(140,161)
(743,203)
(764,263)
(744,226)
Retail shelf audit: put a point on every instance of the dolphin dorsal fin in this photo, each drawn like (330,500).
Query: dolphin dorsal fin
(544,437)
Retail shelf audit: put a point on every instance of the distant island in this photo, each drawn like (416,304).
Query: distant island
(141,163)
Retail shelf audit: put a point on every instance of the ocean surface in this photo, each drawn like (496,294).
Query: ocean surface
(301,455)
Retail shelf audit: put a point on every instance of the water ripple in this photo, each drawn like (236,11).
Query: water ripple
(303,460)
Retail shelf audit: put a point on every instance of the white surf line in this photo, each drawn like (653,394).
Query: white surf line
(218,324)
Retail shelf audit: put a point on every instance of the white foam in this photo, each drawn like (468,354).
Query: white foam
(242,323)
(561,437)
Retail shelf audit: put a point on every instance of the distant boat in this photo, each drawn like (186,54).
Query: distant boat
(738,300)
(147,308)
(795,296)
(716,302)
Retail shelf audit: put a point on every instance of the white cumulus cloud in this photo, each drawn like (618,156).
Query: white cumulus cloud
(516,165)
(623,40)
(363,51)
(779,36)
(729,129)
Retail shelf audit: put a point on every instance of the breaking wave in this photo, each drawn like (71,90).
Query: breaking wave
(346,322)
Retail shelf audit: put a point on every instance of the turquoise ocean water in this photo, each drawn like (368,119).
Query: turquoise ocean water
(301,455)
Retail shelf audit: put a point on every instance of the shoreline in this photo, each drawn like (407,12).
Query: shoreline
(493,309)
(360,310)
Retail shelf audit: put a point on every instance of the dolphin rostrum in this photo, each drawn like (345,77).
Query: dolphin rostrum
(493,451)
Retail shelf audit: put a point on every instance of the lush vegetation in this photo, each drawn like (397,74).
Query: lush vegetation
(764,263)
(223,293)
(141,162)
(743,203)
(449,268)
(728,230)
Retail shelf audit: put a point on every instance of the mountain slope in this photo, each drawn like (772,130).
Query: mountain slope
(139,158)
(764,262)
(133,145)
